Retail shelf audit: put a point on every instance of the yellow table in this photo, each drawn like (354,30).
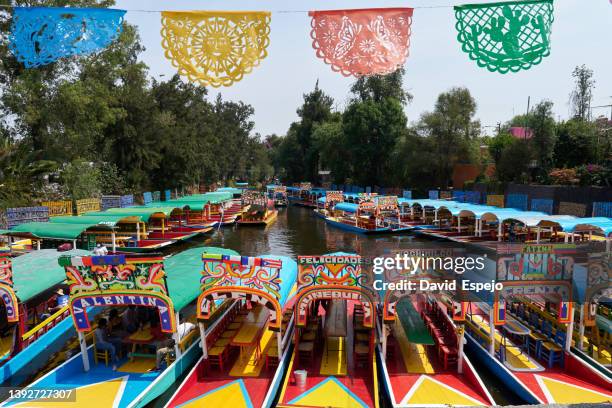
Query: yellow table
(251,331)
(142,336)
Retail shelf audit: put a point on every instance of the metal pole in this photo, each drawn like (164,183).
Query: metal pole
(491,332)
(537,235)
(38,245)
(570,331)
(461,340)
(177,340)
(137,231)
(113,238)
(499,230)
(84,353)
(203,338)
(581,330)
(279,344)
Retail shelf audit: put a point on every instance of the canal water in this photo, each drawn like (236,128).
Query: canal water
(297,231)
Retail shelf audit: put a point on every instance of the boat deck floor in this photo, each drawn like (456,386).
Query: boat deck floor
(99,387)
(417,378)
(551,385)
(243,382)
(332,380)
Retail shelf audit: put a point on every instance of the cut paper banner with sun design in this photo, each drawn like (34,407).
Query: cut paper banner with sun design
(362,42)
(505,37)
(215,48)
(42,35)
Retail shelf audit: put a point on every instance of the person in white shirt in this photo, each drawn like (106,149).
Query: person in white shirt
(182,330)
(100,250)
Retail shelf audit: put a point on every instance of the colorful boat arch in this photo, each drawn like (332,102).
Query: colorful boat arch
(6,288)
(536,270)
(333,276)
(257,279)
(117,280)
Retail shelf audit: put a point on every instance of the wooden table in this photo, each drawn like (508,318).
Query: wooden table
(140,337)
(251,330)
(336,320)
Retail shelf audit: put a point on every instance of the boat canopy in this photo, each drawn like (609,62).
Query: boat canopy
(145,213)
(51,230)
(602,224)
(107,219)
(37,271)
(232,190)
(184,271)
(347,207)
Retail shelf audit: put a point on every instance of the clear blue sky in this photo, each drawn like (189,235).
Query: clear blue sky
(581,34)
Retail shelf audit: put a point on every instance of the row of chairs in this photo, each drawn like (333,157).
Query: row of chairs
(361,338)
(220,348)
(443,333)
(546,341)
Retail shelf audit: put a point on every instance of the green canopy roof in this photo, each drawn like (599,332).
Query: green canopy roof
(37,271)
(107,219)
(145,213)
(184,271)
(51,230)
(411,322)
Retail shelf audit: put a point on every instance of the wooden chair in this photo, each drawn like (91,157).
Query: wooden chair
(216,355)
(272,358)
(306,352)
(450,356)
(103,354)
(362,353)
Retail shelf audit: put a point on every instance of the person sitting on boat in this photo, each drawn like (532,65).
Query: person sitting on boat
(100,250)
(167,347)
(61,301)
(115,324)
(130,319)
(104,342)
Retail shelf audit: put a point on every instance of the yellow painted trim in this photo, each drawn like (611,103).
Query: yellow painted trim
(375,377)
(289,370)
(42,324)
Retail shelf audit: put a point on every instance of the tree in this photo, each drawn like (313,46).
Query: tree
(453,131)
(379,87)
(576,143)
(581,96)
(372,130)
(316,109)
(513,164)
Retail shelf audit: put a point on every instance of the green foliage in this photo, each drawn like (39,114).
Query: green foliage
(298,158)
(80,179)
(513,164)
(453,132)
(498,144)
(576,144)
(582,95)
(371,130)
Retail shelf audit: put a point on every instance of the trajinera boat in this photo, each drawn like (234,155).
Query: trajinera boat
(34,302)
(154,292)
(246,353)
(278,194)
(373,215)
(259,209)
(333,361)
(422,361)
(524,333)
